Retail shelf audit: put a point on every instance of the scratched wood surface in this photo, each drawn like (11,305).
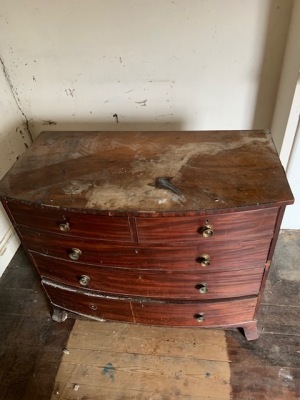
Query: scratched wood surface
(128,359)
(117,172)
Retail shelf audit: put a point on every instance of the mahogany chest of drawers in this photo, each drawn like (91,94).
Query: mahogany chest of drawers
(164,228)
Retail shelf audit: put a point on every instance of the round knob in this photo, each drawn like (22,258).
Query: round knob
(93,307)
(202,288)
(206,231)
(64,227)
(75,254)
(203,260)
(84,280)
(200,317)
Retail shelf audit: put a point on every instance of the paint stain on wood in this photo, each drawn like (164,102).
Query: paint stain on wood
(109,370)
(151,362)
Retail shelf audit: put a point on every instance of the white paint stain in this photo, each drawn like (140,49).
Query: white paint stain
(76,187)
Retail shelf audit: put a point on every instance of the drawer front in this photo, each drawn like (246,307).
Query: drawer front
(153,284)
(222,256)
(87,304)
(231,226)
(152,312)
(71,223)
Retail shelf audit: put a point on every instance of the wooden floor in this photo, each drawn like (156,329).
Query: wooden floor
(87,360)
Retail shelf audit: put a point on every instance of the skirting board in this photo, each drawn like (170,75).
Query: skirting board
(9,244)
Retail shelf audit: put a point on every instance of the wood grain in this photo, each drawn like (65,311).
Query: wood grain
(116,171)
(81,225)
(240,254)
(153,284)
(150,312)
(230,227)
(113,361)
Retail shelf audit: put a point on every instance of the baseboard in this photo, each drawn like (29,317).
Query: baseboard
(9,244)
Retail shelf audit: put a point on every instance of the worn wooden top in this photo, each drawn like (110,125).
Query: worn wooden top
(117,171)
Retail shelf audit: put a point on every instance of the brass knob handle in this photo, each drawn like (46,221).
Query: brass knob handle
(84,280)
(200,317)
(64,227)
(206,231)
(75,254)
(203,260)
(202,288)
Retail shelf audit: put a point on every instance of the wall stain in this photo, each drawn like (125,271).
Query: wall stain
(14,93)
(142,103)
(49,122)
(70,92)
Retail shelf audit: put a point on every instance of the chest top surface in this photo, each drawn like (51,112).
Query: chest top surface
(158,172)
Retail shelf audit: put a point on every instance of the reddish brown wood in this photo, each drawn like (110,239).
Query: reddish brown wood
(151,283)
(153,312)
(114,171)
(250,330)
(224,255)
(230,227)
(82,225)
(185,314)
(95,306)
(138,240)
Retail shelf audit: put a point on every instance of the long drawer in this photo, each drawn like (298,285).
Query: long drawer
(72,223)
(222,255)
(230,226)
(217,313)
(153,284)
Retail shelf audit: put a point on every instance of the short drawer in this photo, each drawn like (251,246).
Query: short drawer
(219,255)
(230,226)
(72,223)
(85,303)
(216,313)
(187,285)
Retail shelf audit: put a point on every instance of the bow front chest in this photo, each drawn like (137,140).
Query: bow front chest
(164,228)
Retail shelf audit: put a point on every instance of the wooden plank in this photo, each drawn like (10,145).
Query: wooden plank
(280,350)
(201,344)
(279,319)
(127,370)
(264,382)
(88,392)
(130,361)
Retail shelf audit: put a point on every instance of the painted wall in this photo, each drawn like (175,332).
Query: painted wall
(287,118)
(13,141)
(188,64)
(136,64)
(282,133)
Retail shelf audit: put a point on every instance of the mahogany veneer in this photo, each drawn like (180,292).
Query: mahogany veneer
(165,228)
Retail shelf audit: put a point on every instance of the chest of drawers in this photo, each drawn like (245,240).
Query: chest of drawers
(164,228)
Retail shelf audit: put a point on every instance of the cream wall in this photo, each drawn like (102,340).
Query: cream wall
(157,64)
(13,140)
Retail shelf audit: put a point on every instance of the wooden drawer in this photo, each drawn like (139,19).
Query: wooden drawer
(81,225)
(151,312)
(88,304)
(153,284)
(230,226)
(223,256)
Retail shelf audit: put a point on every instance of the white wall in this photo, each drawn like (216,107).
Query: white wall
(285,126)
(13,140)
(283,133)
(188,64)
